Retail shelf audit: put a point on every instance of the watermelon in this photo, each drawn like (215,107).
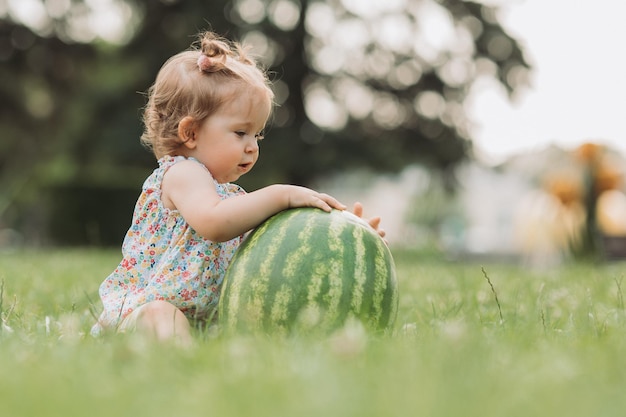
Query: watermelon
(306,270)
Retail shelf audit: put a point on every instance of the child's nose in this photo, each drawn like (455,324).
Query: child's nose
(252,146)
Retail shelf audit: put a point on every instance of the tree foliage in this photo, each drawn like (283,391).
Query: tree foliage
(381,86)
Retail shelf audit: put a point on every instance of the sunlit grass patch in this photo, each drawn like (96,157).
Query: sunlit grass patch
(553,344)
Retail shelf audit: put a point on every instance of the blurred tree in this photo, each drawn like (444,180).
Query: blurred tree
(372,83)
(359,83)
(40,83)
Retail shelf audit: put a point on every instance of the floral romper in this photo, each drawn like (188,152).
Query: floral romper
(165,259)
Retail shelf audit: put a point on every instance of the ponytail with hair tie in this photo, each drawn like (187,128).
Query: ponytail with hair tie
(208,64)
(215,51)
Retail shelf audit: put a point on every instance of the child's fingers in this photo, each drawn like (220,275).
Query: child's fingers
(374,222)
(330,202)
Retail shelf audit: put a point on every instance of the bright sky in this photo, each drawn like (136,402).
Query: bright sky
(578,84)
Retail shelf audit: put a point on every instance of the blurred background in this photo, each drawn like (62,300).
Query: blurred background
(397,103)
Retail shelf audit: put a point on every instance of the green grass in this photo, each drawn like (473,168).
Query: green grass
(552,344)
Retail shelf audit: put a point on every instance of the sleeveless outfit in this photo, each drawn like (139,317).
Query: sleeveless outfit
(165,259)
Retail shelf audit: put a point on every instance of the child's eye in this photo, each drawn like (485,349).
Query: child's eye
(259,136)
(240,133)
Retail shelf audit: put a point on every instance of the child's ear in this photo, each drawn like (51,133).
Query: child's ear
(187,131)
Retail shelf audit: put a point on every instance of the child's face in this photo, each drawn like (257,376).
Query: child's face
(227,141)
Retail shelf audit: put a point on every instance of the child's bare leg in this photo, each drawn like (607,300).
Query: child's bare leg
(165,322)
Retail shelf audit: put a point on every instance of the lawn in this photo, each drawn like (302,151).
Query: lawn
(470,340)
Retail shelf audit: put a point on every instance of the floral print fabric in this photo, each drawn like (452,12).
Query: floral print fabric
(165,259)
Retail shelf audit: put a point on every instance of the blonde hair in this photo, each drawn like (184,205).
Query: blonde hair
(196,83)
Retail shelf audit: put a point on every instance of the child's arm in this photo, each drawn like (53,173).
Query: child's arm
(188,188)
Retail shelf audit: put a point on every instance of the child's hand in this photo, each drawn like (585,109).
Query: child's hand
(374,221)
(305,197)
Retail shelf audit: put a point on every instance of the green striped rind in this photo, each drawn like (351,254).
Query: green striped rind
(257,277)
(309,270)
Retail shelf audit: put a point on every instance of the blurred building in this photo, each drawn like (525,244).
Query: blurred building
(539,208)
